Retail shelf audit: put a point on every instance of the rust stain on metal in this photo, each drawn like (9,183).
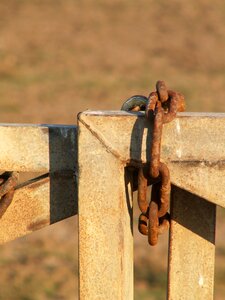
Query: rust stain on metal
(38,224)
(219,164)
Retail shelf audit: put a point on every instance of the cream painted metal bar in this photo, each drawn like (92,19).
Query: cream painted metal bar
(105,222)
(38,203)
(48,149)
(192,247)
(37,148)
(193,147)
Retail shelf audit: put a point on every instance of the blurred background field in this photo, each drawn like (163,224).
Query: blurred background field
(64,56)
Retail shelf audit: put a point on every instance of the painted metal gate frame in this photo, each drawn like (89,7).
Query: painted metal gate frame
(108,144)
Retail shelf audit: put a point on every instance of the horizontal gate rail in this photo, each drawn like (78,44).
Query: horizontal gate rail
(47,149)
(37,148)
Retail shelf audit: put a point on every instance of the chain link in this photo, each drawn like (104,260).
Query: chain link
(162,105)
(8,182)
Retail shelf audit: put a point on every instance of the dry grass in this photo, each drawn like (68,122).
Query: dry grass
(64,56)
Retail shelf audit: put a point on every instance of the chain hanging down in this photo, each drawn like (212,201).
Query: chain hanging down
(161,105)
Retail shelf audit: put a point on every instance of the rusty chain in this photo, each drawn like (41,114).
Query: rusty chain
(161,105)
(8,182)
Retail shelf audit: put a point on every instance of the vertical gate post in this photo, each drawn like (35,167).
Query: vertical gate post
(108,141)
(192,247)
(105,221)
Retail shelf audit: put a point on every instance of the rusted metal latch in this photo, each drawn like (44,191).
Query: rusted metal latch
(161,106)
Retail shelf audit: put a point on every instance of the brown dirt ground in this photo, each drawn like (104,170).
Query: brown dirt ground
(61,57)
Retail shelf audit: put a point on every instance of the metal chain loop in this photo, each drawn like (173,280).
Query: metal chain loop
(8,182)
(135,103)
(162,105)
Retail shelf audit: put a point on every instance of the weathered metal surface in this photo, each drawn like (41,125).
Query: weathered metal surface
(192,146)
(196,155)
(192,247)
(37,148)
(38,203)
(161,107)
(105,221)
